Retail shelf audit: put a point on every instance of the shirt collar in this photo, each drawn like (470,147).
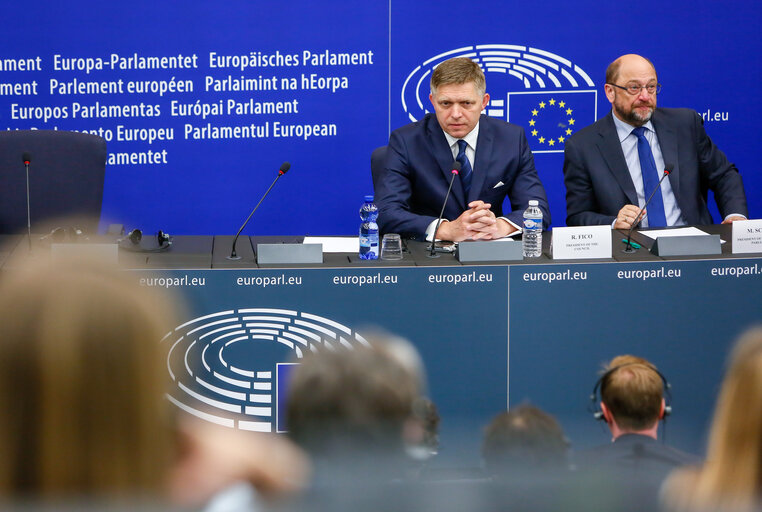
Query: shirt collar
(470,137)
(623,130)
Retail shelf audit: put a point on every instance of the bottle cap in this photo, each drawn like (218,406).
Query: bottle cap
(534,202)
(369,198)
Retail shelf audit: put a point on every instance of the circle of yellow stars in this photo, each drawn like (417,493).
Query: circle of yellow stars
(570,121)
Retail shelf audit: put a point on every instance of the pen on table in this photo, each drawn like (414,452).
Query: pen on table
(635,245)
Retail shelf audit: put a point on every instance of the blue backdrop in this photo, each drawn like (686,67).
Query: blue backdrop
(346,74)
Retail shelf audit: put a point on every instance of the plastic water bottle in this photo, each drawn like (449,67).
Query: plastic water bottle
(369,230)
(532,236)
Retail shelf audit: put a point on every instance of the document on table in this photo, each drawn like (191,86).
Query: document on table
(661,233)
(335,243)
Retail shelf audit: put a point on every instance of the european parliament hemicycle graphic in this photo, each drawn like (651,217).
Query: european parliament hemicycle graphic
(206,355)
(547,94)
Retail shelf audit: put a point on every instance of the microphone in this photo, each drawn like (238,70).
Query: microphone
(26,158)
(667,170)
(455,170)
(284,167)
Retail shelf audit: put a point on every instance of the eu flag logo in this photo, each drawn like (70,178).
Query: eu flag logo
(549,118)
(282,379)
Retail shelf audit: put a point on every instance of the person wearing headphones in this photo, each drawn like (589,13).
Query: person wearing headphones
(632,401)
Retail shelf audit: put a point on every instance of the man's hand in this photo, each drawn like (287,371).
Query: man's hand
(476,223)
(628,216)
(733,218)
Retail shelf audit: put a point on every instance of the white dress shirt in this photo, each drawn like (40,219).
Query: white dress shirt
(629,143)
(470,139)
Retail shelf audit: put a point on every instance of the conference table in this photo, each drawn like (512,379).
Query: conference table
(490,335)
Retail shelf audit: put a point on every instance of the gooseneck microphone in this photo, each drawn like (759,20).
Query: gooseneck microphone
(455,170)
(26,157)
(285,166)
(629,248)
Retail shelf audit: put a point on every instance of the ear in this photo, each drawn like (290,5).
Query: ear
(609,90)
(661,410)
(413,431)
(606,413)
(431,99)
(485,101)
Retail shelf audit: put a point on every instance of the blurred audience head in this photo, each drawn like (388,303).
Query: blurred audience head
(81,382)
(360,399)
(632,395)
(731,477)
(524,439)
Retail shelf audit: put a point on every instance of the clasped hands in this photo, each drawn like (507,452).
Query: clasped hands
(476,223)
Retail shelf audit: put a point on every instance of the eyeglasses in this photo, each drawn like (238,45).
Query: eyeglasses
(634,89)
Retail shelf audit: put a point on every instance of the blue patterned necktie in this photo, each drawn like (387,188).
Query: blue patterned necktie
(465,166)
(656,215)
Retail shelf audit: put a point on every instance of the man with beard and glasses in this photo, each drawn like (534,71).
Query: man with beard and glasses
(612,166)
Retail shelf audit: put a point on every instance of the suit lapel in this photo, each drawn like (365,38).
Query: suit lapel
(611,149)
(443,155)
(481,160)
(668,145)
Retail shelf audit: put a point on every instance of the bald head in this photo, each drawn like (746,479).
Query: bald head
(628,64)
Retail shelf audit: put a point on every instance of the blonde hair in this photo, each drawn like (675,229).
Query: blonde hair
(731,478)
(81,383)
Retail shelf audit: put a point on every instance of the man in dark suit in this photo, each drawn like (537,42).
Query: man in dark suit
(612,166)
(495,157)
(632,403)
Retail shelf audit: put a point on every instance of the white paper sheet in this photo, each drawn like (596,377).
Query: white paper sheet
(335,243)
(690,231)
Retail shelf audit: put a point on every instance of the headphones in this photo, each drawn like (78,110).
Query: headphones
(595,408)
(136,236)
(61,235)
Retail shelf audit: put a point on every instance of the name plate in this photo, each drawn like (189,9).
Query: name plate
(690,245)
(747,236)
(581,242)
(494,250)
(288,254)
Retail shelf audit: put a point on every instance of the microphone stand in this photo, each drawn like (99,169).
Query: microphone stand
(281,172)
(455,170)
(629,249)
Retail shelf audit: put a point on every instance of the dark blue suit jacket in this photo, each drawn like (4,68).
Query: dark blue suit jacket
(635,457)
(598,183)
(412,187)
